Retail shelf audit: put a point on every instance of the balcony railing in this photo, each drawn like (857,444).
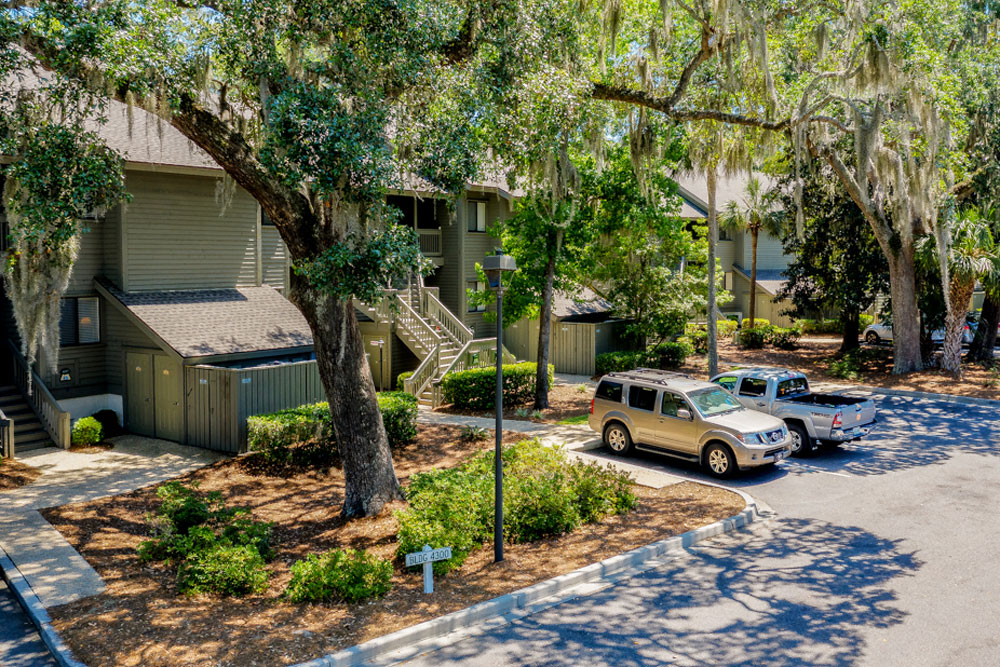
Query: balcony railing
(430,242)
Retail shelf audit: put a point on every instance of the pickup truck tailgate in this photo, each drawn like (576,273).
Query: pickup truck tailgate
(859,414)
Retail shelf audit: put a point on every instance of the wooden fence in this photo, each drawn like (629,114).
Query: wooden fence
(573,346)
(219,400)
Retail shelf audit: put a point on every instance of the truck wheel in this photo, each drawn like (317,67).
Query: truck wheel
(617,439)
(872,338)
(720,461)
(801,442)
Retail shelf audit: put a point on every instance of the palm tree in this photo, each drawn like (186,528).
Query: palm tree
(754,216)
(974,255)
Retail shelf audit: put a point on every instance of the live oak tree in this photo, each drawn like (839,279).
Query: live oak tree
(882,73)
(315,109)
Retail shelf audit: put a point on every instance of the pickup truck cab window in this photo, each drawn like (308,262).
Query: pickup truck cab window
(642,398)
(753,387)
(792,386)
(671,404)
(610,391)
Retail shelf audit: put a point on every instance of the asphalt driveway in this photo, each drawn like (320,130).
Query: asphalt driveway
(20,645)
(881,553)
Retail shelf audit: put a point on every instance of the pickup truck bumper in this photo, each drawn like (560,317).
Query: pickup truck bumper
(854,433)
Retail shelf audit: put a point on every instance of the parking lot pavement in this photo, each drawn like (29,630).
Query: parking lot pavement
(881,554)
(20,645)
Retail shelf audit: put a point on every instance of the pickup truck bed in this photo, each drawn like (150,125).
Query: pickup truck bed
(824,400)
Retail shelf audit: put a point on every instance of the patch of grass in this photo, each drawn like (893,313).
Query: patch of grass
(578,419)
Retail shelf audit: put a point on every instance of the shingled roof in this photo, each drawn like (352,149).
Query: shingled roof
(584,303)
(211,322)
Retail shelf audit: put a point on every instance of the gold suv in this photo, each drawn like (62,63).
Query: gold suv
(685,418)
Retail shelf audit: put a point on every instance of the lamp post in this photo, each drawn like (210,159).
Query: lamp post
(494,267)
(379,343)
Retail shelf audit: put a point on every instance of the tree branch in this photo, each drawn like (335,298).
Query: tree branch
(287,208)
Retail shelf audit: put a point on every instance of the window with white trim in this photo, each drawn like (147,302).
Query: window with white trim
(80,321)
(477,216)
(476,286)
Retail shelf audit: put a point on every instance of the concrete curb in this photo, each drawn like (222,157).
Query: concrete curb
(36,612)
(605,572)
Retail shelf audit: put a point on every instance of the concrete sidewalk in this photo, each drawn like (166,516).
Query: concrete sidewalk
(53,568)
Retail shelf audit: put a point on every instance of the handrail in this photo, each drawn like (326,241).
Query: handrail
(425,373)
(55,420)
(416,326)
(449,322)
(379,311)
(6,436)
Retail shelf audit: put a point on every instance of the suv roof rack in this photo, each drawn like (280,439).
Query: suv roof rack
(653,375)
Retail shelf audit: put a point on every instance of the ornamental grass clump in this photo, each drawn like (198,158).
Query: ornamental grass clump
(545,494)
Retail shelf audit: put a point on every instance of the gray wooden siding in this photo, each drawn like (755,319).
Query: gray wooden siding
(450,275)
(119,333)
(219,400)
(177,239)
(477,246)
(274,258)
(111,235)
(87,368)
(89,261)
(769,253)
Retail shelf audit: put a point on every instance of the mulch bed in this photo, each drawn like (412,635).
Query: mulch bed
(813,358)
(141,620)
(565,400)
(14,474)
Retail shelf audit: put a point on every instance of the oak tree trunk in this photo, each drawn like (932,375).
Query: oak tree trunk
(986,333)
(851,329)
(713,235)
(544,334)
(753,278)
(960,293)
(905,313)
(369,478)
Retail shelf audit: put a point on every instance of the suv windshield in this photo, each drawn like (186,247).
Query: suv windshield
(713,401)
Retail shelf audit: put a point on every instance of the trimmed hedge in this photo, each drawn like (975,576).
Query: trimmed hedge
(275,434)
(401,378)
(475,389)
(87,431)
(784,338)
(753,338)
(341,574)
(698,333)
(545,494)
(665,356)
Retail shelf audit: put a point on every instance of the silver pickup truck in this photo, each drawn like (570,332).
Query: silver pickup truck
(828,419)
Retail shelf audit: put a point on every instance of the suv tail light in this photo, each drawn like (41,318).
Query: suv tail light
(591,406)
(837,421)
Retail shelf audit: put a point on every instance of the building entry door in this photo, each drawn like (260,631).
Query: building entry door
(154,389)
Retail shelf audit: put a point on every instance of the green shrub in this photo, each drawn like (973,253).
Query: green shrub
(401,378)
(758,322)
(697,334)
(199,533)
(346,575)
(753,338)
(784,338)
(865,320)
(399,414)
(474,433)
(545,494)
(671,355)
(225,569)
(616,362)
(475,389)
(276,434)
(87,431)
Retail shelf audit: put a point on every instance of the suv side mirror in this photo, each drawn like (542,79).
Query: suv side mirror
(684,414)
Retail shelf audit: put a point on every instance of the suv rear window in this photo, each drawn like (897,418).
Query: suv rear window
(642,398)
(610,391)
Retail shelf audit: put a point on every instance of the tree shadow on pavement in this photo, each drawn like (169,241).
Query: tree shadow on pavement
(798,592)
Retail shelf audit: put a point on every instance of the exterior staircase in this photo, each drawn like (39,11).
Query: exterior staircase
(435,335)
(29,433)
